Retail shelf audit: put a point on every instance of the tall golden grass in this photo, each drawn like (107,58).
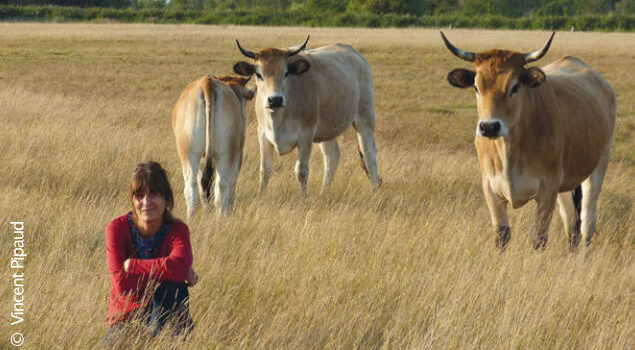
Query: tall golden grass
(412,266)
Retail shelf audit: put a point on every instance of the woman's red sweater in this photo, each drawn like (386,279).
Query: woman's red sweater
(173,262)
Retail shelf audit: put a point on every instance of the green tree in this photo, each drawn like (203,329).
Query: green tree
(594,6)
(625,6)
(70,3)
(514,8)
(556,8)
(413,7)
(441,6)
(187,4)
(150,4)
(328,5)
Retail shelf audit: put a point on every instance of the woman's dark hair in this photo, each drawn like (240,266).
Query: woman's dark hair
(153,177)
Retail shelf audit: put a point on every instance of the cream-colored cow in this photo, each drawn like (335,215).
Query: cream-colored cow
(209,122)
(312,96)
(541,133)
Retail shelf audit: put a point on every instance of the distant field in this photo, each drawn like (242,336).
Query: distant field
(411,266)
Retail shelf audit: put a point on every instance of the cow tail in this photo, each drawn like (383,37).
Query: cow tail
(361,157)
(577,202)
(209,93)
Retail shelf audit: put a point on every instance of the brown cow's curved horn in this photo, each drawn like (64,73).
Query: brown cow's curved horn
(464,55)
(247,53)
(295,52)
(536,55)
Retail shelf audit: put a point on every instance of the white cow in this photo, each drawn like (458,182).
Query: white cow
(209,122)
(312,96)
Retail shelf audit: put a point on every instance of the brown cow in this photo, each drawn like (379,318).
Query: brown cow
(541,133)
(209,123)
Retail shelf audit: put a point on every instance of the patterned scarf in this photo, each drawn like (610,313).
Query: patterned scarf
(146,247)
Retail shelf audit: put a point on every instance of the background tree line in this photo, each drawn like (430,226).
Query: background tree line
(606,15)
(509,8)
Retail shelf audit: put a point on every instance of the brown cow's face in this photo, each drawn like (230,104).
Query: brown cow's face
(273,69)
(501,83)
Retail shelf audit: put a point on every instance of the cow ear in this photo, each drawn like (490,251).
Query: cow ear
(533,77)
(244,81)
(244,68)
(461,78)
(298,67)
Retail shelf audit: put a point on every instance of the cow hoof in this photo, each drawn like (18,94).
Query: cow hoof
(503,235)
(540,243)
(574,240)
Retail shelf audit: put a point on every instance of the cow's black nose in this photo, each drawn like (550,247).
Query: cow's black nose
(489,129)
(275,101)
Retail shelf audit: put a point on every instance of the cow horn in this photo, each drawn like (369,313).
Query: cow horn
(295,52)
(247,53)
(464,55)
(536,55)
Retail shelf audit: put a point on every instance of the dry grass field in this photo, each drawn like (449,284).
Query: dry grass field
(412,266)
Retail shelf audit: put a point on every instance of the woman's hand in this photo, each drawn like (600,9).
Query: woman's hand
(192,278)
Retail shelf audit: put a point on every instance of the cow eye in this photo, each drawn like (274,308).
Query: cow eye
(286,74)
(258,76)
(475,88)
(514,89)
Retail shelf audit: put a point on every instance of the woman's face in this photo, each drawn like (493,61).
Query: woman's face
(149,206)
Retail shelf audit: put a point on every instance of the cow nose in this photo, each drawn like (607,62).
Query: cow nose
(489,128)
(275,101)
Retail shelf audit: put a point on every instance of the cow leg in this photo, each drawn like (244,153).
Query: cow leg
(569,217)
(497,206)
(331,153)
(590,193)
(546,203)
(368,150)
(266,161)
(302,164)
(191,185)
(225,185)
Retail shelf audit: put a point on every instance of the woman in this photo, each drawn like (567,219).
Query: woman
(150,258)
